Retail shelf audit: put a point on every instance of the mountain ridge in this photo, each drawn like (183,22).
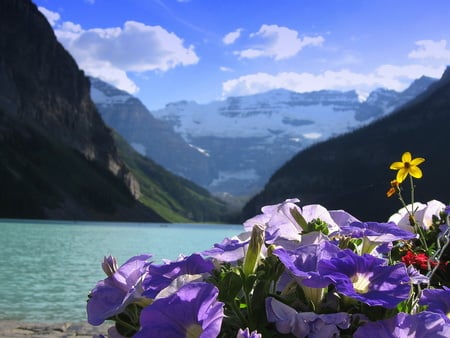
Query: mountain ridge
(351,171)
(239,142)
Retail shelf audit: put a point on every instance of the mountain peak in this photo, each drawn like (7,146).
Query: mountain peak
(446,74)
(105,94)
(419,85)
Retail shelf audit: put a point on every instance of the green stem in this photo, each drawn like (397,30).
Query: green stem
(411,212)
(250,311)
(238,313)
(412,193)
(126,324)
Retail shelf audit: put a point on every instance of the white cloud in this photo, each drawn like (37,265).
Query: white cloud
(430,49)
(52,17)
(225,69)
(387,76)
(278,43)
(109,53)
(231,37)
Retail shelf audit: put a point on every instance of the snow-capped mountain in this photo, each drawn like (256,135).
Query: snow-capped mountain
(151,137)
(239,142)
(249,137)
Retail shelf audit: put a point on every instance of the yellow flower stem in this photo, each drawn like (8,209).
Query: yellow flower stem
(411,212)
(412,195)
(419,229)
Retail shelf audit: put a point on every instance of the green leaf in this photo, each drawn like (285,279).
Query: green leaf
(230,286)
(299,218)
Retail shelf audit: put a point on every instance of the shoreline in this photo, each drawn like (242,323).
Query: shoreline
(17,328)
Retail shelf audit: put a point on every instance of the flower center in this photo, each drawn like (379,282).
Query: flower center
(361,282)
(407,165)
(194,331)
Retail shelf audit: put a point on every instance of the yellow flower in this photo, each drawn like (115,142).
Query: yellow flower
(408,165)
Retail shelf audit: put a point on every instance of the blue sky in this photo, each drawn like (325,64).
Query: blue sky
(164,51)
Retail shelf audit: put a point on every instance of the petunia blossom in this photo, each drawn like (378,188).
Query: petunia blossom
(193,311)
(374,233)
(279,219)
(420,325)
(122,287)
(342,217)
(423,214)
(302,264)
(366,278)
(305,324)
(159,276)
(230,250)
(247,334)
(415,276)
(437,300)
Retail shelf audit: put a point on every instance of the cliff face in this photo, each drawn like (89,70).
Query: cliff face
(40,83)
(58,160)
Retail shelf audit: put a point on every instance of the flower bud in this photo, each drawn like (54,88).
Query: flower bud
(254,250)
(109,265)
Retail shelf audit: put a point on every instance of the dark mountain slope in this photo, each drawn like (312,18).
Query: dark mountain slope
(57,157)
(40,177)
(41,83)
(351,172)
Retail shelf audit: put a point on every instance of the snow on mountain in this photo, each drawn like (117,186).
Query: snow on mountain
(241,141)
(149,136)
(270,115)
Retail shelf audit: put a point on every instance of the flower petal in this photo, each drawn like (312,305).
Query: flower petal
(415,172)
(396,165)
(406,157)
(401,175)
(417,161)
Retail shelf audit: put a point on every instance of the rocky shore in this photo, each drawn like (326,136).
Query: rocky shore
(13,329)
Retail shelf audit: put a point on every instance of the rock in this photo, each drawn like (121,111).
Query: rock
(13,329)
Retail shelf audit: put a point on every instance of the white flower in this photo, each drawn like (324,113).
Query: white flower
(423,213)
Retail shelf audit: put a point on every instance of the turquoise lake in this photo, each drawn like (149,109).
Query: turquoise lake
(48,268)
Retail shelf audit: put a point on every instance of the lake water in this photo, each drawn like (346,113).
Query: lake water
(48,268)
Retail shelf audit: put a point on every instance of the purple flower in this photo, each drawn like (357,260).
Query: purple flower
(160,276)
(342,218)
(438,301)
(193,311)
(112,295)
(447,210)
(366,278)
(278,218)
(421,325)
(316,211)
(415,276)
(305,324)
(230,249)
(247,334)
(303,262)
(374,233)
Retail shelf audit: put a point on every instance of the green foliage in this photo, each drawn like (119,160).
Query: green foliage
(174,198)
